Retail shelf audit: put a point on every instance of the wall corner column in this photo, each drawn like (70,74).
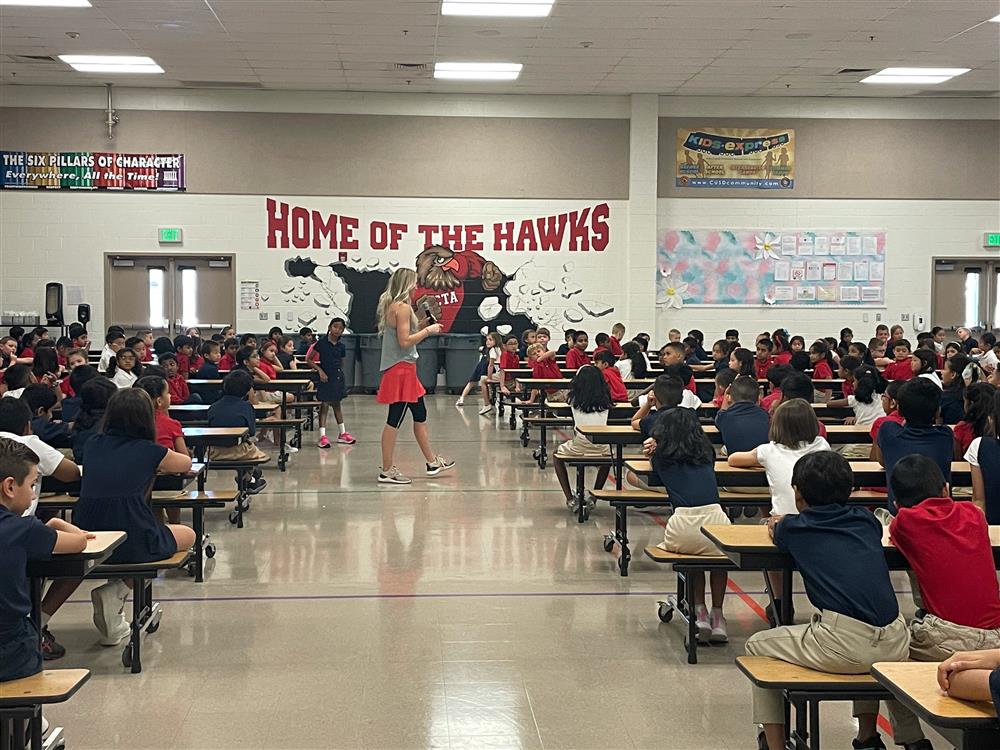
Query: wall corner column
(642,221)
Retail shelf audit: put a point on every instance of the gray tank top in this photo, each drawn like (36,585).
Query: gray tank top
(393,353)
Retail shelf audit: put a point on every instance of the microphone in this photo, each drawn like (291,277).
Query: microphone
(425,305)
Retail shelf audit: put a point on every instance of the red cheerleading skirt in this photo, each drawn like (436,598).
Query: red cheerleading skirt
(400,383)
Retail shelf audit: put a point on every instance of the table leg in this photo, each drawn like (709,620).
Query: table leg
(284,404)
(581,511)
(198,523)
(619,465)
(621,519)
(692,644)
(786,597)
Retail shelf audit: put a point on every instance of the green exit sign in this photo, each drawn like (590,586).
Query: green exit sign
(991,239)
(171,235)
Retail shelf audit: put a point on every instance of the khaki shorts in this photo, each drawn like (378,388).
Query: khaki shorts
(580,447)
(683,530)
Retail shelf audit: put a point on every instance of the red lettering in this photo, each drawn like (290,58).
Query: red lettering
(428,231)
(300,227)
(599,226)
(551,230)
(526,236)
(378,235)
(579,232)
(451,236)
(396,232)
(472,241)
(277,223)
(321,229)
(348,225)
(503,234)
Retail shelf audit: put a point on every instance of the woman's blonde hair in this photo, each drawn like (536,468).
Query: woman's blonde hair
(401,283)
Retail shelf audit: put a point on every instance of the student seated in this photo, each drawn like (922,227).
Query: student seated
(71,404)
(543,366)
(798,385)
(116,500)
(114,341)
(742,424)
(605,362)
(577,356)
(947,545)
(972,676)
(509,360)
(188,363)
(590,401)
(838,550)
(24,539)
(775,375)
(953,383)
(94,397)
(307,338)
(901,368)
(923,362)
(764,359)
(984,459)
(794,433)
(601,343)
(690,398)
(233,409)
(211,353)
(631,364)
(615,339)
(866,396)
(568,338)
(15,379)
(169,432)
(40,400)
(723,379)
(919,403)
(684,461)
(666,395)
(180,392)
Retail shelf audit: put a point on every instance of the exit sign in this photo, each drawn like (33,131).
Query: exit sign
(991,239)
(171,235)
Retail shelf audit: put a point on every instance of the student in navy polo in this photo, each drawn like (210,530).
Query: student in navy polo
(742,424)
(24,540)
(919,404)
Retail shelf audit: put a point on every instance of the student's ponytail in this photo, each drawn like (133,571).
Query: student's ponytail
(634,353)
(981,402)
(928,361)
(868,382)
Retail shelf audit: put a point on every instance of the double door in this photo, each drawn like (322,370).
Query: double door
(966,293)
(169,294)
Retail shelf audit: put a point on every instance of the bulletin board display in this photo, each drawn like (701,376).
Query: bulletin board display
(754,267)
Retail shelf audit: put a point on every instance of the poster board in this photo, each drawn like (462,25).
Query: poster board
(788,268)
(91,170)
(735,158)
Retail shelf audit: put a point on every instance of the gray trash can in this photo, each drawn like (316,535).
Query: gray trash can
(370,346)
(350,360)
(461,355)
(428,363)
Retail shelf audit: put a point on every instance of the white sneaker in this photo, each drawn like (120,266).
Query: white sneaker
(440,464)
(392,475)
(718,623)
(109,609)
(701,623)
(290,448)
(460,402)
(486,411)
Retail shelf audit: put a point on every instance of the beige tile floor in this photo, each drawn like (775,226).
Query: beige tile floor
(467,611)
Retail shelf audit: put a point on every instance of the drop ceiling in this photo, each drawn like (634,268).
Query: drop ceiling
(678,47)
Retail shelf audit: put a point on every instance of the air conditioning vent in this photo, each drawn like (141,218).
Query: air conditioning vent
(221,84)
(853,71)
(32,58)
(932,93)
(411,67)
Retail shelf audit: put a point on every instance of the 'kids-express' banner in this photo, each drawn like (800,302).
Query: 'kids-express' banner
(736,158)
(770,267)
(91,170)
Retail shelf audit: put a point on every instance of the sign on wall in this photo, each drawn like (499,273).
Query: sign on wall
(736,158)
(91,170)
(772,267)
(486,269)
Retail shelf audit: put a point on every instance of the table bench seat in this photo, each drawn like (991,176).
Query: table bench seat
(21,704)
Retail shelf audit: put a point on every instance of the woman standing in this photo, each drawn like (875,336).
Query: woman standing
(400,388)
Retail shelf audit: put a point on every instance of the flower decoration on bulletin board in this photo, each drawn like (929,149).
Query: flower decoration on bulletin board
(673,294)
(767,247)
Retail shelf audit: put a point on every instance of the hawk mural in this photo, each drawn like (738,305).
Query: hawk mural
(474,293)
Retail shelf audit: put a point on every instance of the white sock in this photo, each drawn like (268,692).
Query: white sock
(45,620)
(340,426)
(322,432)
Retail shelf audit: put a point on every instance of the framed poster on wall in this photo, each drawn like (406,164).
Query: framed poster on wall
(753,267)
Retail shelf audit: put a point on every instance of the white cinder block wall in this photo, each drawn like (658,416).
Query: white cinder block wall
(63,236)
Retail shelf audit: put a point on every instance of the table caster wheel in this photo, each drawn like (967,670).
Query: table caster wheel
(154,624)
(542,462)
(534,453)
(245,504)
(609,542)
(664,611)
(234,517)
(127,657)
(210,550)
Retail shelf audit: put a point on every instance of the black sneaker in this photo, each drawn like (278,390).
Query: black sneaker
(51,650)
(924,744)
(872,743)
(256,486)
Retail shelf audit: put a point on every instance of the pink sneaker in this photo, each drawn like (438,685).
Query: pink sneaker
(346,438)
(324,442)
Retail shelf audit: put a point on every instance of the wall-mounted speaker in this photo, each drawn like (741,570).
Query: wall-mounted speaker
(83,313)
(54,303)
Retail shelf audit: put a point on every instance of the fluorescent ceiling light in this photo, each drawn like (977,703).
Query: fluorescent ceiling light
(48,3)
(914,75)
(477,71)
(995,19)
(111,64)
(508,8)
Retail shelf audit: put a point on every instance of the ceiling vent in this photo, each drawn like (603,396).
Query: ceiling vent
(32,58)
(411,67)
(853,71)
(221,84)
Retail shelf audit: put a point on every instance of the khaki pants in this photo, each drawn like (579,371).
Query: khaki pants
(830,642)
(934,639)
